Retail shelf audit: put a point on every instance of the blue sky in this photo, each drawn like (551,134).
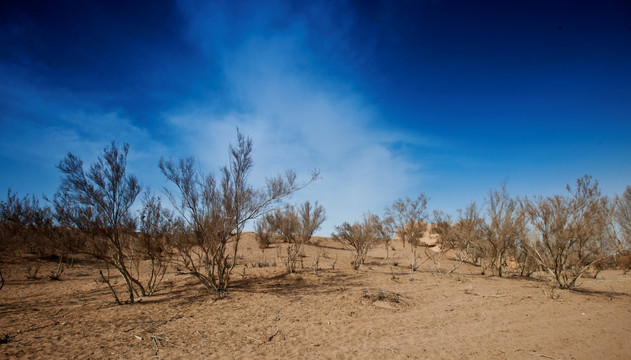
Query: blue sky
(387,99)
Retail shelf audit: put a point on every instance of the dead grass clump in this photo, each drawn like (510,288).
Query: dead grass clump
(262,262)
(31,272)
(373,295)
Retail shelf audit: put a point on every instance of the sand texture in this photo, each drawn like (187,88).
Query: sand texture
(381,311)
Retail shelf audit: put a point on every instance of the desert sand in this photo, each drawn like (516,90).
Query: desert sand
(381,311)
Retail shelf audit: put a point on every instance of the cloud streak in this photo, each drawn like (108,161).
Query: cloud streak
(386,99)
(300,119)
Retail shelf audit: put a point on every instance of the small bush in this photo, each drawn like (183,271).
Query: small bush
(361,237)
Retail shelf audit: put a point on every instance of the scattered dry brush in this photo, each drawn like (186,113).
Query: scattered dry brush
(409,220)
(361,237)
(571,231)
(98,202)
(213,212)
(293,226)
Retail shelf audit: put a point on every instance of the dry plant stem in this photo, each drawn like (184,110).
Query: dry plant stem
(417,265)
(543,356)
(413,263)
(316,262)
(157,226)
(109,285)
(392,272)
(31,274)
(158,270)
(269,338)
(55,275)
(385,258)
(156,342)
(462,260)
(253,338)
(434,256)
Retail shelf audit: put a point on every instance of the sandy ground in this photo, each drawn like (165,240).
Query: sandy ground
(377,312)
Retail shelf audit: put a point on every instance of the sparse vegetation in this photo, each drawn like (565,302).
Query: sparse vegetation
(571,238)
(153,239)
(621,229)
(409,217)
(263,233)
(214,212)
(566,236)
(98,202)
(293,226)
(505,230)
(571,231)
(361,237)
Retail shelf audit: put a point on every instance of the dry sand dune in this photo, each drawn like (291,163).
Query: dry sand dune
(338,314)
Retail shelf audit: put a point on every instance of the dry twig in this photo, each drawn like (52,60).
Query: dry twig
(269,338)
(543,356)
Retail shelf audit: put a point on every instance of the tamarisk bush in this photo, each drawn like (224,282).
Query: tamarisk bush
(505,229)
(98,202)
(571,231)
(156,227)
(361,237)
(464,236)
(409,220)
(214,212)
(294,226)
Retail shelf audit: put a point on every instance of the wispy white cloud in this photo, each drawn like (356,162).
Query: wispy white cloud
(301,119)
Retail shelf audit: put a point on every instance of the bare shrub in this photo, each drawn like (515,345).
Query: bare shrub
(316,262)
(213,213)
(106,279)
(523,256)
(623,260)
(623,217)
(621,230)
(156,227)
(409,218)
(462,237)
(295,227)
(55,275)
(361,237)
(98,202)
(31,272)
(263,233)
(26,225)
(505,229)
(571,231)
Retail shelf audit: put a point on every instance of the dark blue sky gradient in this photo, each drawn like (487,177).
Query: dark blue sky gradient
(446,97)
